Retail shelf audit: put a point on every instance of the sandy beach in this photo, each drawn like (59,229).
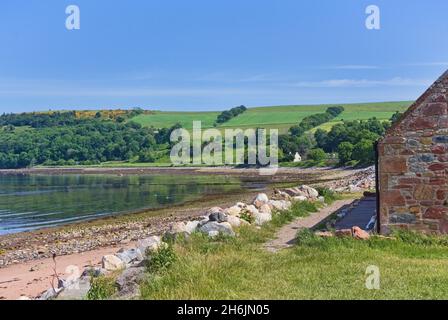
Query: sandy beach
(32,278)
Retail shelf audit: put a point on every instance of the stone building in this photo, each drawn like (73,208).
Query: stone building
(413,166)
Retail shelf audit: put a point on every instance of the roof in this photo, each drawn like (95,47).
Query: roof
(436,86)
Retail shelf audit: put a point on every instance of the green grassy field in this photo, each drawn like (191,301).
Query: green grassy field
(280,117)
(411,267)
(161,119)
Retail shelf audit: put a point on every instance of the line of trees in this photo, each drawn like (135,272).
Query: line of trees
(64,118)
(229,114)
(315,120)
(40,120)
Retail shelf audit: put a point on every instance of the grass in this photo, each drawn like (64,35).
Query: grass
(411,267)
(101,288)
(279,117)
(161,260)
(309,163)
(326,126)
(161,119)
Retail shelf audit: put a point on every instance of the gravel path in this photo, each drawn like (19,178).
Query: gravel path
(285,237)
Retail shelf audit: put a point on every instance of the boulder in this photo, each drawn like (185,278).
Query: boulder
(308,192)
(241,204)
(93,272)
(280,205)
(176,229)
(218,216)
(191,226)
(233,211)
(65,283)
(265,209)
(353,188)
(149,245)
(360,234)
(279,194)
(224,228)
(293,192)
(213,234)
(111,263)
(130,256)
(50,294)
(283,195)
(202,222)
(234,221)
(261,218)
(75,291)
(299,198)
(302,191)
(214,210)
(128,282)
(260,200)
(251,209)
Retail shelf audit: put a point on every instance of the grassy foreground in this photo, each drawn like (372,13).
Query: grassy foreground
(411,267)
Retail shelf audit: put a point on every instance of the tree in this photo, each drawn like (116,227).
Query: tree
(315,120)
(87,141)
(335,111)
(321,137)
(363,152)
(296,131)
(345,151)
(396,116)
(229,114)
(146,156)
(317,154)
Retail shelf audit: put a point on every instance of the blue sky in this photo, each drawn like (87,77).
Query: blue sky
(212,55)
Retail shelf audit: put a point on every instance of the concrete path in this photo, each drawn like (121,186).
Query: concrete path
(285,237)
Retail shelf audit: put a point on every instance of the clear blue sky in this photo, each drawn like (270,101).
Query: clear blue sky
(211,55)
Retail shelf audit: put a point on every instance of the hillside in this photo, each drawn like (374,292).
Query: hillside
(128,136)
(281,117)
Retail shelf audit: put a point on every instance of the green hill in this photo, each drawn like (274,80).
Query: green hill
(281,117)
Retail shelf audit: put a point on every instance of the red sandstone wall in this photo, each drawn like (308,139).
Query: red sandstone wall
(413,166)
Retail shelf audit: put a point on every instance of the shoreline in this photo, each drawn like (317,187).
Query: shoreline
(30,277)
(73,243)
(105,231)
(282,172)
(120,228)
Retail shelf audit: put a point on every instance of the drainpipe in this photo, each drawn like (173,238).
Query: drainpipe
(377,187)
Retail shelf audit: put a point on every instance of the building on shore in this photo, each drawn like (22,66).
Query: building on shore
(413,166)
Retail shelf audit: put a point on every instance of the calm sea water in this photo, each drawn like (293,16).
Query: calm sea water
(38,201)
